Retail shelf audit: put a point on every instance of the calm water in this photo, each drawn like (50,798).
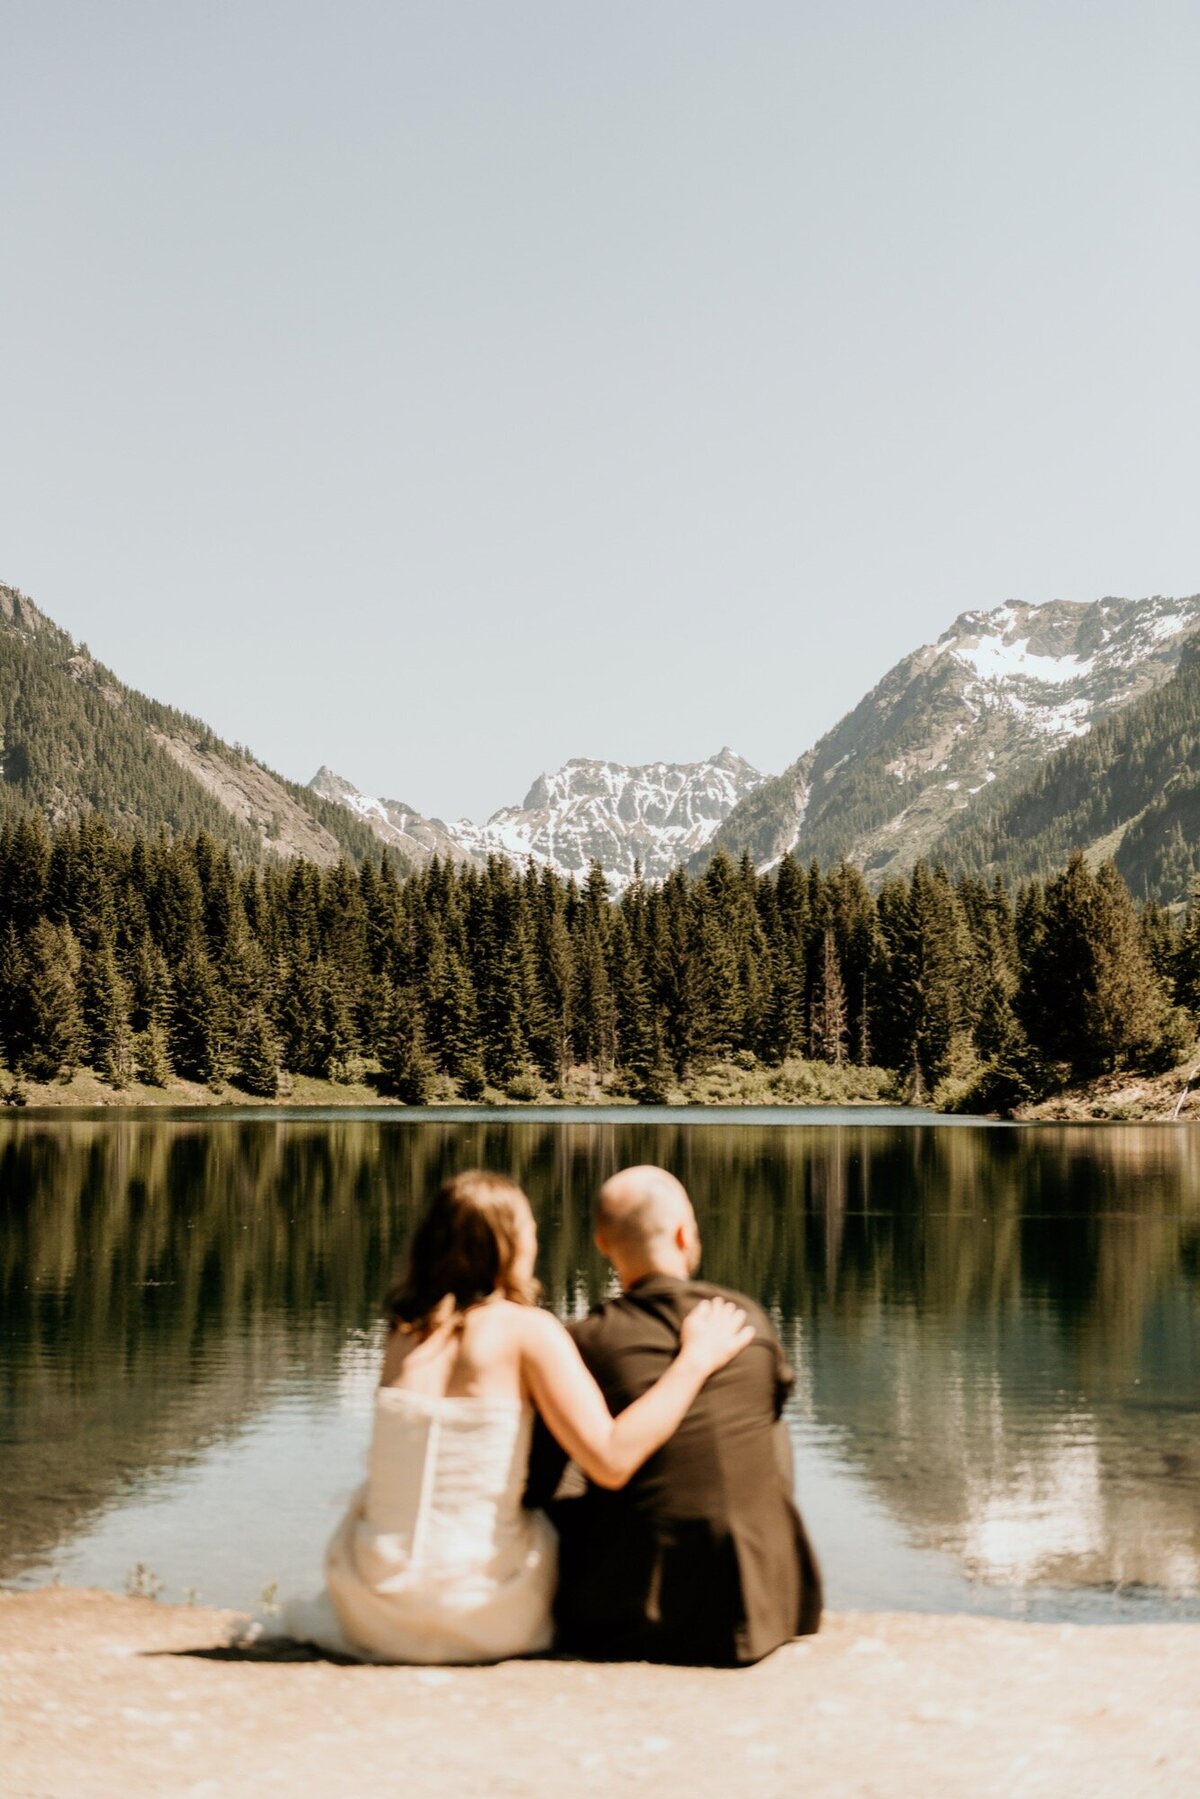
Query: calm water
(996,1331)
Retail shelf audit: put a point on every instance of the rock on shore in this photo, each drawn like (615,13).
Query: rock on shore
(102,1696)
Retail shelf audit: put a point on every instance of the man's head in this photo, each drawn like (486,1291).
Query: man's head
(645,1225)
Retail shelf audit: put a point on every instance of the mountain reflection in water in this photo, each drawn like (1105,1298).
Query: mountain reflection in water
(996,1332)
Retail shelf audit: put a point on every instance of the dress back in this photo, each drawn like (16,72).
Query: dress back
(437,1560)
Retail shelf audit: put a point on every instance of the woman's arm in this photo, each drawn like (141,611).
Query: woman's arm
(608,1449)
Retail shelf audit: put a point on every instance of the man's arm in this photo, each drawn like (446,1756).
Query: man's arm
(548,1460)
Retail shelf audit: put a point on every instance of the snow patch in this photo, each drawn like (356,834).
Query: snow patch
(994,660)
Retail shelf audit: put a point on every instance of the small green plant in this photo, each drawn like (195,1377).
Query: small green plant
(142,1582)
(268,1598)
(525,1086)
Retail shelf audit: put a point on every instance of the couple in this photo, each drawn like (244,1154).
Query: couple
(684,1545)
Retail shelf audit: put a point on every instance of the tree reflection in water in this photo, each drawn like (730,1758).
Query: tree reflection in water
(997,1328)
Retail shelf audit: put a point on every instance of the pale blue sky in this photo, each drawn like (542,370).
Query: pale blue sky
(444,390)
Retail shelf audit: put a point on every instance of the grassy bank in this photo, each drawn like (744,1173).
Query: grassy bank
(741,1083)
(1116,1098)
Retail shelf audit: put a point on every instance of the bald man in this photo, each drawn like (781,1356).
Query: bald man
(702,1557)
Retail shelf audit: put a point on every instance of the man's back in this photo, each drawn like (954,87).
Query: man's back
(702,1557)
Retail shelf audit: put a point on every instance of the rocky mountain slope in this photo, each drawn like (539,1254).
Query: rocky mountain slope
(997,695)
(74,739)
(392,821)
(985,749)
(656,815)
(1130,789)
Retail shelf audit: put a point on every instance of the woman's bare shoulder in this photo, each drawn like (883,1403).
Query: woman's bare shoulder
(535,1328)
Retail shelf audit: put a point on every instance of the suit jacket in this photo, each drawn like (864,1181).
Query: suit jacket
(702,1557)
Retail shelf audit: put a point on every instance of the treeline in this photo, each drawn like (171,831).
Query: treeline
(148,957)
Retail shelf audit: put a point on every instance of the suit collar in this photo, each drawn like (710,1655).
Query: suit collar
(657,1283)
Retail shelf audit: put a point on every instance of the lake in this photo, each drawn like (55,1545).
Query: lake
(996,1331)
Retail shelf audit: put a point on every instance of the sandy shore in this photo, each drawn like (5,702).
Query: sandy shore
(102,1696)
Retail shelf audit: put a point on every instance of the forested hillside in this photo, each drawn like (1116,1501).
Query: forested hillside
(981,709)
(74,739)
(1130,789)
(146,957)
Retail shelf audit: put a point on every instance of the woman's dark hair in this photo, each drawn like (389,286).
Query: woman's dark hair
(461,1252)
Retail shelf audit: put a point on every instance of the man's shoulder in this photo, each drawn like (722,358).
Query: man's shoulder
(620,1311)
(753,1310)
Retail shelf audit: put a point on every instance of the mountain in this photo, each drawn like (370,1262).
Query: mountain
(657,815)
(1022,733)
(1130,789)
(74,739)
(988,703)
(391,821)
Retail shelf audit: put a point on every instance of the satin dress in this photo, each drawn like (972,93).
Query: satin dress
(436,1559)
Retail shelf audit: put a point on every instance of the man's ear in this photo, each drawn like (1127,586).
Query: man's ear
(683,1239)
(601,1243)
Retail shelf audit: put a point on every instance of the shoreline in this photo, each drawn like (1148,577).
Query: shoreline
(234,1106)
(102,1694)
(722,1091)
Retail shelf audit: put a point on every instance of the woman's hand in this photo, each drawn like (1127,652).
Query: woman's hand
(712,1334)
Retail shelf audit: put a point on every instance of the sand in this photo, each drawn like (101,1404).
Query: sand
(103,1696)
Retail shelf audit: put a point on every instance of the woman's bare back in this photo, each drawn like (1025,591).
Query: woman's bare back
(475,1355)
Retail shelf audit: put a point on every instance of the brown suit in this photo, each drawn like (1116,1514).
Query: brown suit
(702,1557)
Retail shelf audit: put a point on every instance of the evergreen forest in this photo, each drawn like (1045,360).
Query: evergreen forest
(148,958)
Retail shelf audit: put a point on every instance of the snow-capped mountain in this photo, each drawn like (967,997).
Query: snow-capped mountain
(992,698)
(393,822)
(657,815)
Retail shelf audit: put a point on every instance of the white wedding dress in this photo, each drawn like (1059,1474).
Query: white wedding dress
(436,1559)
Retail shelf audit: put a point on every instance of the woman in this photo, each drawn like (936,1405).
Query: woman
(437,1560)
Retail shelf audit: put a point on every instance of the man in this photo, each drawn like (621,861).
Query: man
(702,1557)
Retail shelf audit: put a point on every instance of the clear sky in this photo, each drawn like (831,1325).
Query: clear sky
(443,390)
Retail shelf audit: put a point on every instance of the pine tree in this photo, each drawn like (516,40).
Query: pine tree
(337,1040)
(827,1028)
(199,1036)
(104,1003)
(258,1055)
(14,998)
(104,1000)
(296,1016)
(929,1005)
(504,1052)
(635,1049)
(150,991)
(595,1012)
(1186,968)
(472,1081)
(405,1067)
(55,1025)
(152,1055)
(1092,999)
(674,971)
(448,1009)
(1128,1017)
(25,853)
(783,1031)
(557,969)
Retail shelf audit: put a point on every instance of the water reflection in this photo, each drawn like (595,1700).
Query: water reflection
(997,1330)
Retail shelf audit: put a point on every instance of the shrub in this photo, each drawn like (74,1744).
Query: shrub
(525,1086)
